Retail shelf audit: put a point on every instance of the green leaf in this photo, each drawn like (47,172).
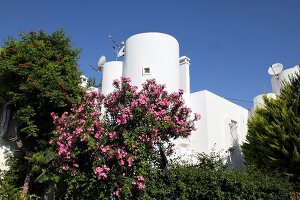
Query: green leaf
(42,177)
(49,157)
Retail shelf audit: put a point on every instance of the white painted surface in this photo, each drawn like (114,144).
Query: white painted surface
(157,51)
(184,75)
(111,71)
(259,101)
(5,149)
(213,130)
(93,89)
(6,146)
(84,81)
(277,81)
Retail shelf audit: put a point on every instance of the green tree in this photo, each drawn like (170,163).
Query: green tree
(38,75)
(273,140)
(91,82)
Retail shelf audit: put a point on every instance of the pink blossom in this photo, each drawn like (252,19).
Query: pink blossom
(141,186)
(97,135)
(126,80)
(166,118)
(116,82)
(112,135)
(197,116)
(121,153)
(65,167)
(101,172)
(117,192)
(75,165)
(121,162)
(130,160)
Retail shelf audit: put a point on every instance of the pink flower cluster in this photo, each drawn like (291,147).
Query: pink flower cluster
(139,183)
(120,131)
(101,172)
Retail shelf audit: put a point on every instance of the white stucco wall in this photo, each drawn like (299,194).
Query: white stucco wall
(111,71)
(6,146)
(259,101)
(276,81)
(213,128)
(5,149)
(157,51)
(184,76)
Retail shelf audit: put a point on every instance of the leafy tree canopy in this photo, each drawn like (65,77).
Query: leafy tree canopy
(38,75)
(273,139)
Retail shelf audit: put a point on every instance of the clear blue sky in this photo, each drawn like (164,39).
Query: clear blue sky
(231,43)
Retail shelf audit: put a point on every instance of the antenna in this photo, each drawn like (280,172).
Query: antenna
(101,62)
(119,48)
(275,69)
(93,68)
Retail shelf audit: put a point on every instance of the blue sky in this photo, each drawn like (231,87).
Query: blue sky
(231,43)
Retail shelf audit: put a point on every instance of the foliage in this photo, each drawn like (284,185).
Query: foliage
(212,161)
(91,82)
(274,132)
(38,75)
(107,144)
(200,181)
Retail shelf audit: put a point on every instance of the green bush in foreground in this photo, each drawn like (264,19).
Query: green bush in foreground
(195,182)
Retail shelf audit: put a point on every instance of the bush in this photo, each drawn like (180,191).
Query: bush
(204,182)
(106,144)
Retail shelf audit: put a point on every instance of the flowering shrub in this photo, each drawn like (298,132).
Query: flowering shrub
(114,138)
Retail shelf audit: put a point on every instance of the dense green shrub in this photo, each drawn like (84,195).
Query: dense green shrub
(194,182)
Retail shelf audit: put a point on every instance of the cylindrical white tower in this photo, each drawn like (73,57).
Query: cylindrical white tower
(152,55)
(277,80)
(111,71)
(259,101)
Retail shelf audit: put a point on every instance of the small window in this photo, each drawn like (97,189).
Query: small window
(146,70)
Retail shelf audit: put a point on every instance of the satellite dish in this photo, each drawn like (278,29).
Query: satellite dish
(275,69)
(101,62)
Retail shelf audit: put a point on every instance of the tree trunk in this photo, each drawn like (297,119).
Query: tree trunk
(164,160)
(25,186)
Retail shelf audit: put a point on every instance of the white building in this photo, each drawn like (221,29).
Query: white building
(156,55)
(223,124)
(277,80)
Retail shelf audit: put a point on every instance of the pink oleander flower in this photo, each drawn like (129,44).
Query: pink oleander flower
(116,82)
(166,118)
(65,167)
(101,172)
(141,186)
(130,161)
(140,178)
(197,116)
(117,192)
